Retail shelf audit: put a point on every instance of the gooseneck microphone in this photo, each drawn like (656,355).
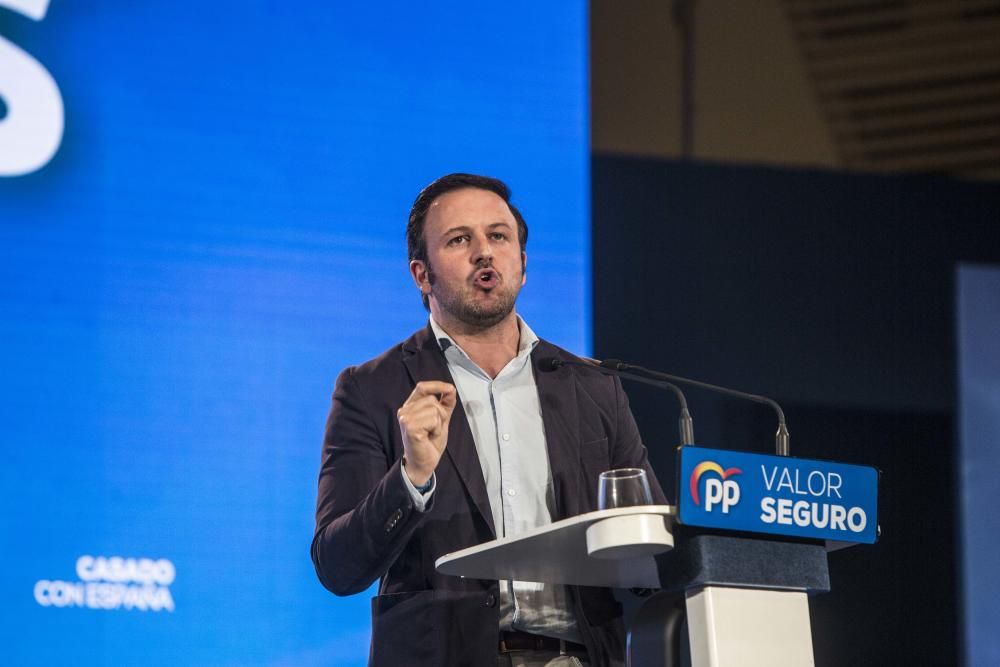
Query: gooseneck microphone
(685,423)
(782,445)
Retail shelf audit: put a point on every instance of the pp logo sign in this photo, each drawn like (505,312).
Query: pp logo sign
(720,491)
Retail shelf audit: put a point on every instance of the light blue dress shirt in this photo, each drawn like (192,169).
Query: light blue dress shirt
(505,416)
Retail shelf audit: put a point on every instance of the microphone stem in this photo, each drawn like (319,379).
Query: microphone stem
(685,423)
(782,446)
(655,383)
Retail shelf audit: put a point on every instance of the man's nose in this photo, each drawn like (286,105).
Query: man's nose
(482,250)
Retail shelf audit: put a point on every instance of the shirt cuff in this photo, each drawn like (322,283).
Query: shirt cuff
(420,500)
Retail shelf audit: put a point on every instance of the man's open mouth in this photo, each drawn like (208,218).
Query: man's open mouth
(486,278)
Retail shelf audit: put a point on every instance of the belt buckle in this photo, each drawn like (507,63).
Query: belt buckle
(504,647)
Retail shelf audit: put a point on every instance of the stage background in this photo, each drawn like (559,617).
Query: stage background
(220,232)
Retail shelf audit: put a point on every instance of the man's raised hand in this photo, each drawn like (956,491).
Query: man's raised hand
(423,422)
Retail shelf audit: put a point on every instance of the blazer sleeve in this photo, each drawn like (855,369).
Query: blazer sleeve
(364,513)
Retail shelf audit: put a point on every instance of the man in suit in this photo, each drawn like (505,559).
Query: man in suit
(455,437)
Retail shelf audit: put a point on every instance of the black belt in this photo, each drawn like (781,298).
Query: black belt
(514,640)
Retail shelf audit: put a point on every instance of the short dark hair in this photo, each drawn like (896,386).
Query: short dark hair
(416,244)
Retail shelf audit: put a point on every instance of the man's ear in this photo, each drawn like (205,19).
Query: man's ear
(524,268)
(418,271)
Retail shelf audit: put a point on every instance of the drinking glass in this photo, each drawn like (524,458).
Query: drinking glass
(624,487)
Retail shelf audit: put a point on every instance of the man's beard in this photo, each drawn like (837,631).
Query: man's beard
(471,312)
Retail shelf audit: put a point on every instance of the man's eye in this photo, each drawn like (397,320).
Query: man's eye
(499,236)
(458,239)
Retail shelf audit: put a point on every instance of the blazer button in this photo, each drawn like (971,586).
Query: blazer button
(491,600)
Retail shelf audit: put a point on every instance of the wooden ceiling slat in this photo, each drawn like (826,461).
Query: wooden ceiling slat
(861,6)
(973,38)
(956,53)
(928,77)
(973,114)
(881,22)
(818,48)
(819,21)
(924,142)
(947,163)
(956,96)
(912,81)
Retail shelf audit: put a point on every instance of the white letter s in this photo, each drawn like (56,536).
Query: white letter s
(32,130)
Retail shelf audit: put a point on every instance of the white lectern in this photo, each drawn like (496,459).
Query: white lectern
(746,597)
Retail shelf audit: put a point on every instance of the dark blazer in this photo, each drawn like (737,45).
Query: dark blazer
(367,527)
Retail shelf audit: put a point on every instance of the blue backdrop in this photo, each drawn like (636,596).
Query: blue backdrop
(979,427)
(218,232)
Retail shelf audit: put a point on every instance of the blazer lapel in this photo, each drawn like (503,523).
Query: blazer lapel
(560,415)
(425,361)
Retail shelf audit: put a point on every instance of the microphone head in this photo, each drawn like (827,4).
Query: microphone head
(549,364)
